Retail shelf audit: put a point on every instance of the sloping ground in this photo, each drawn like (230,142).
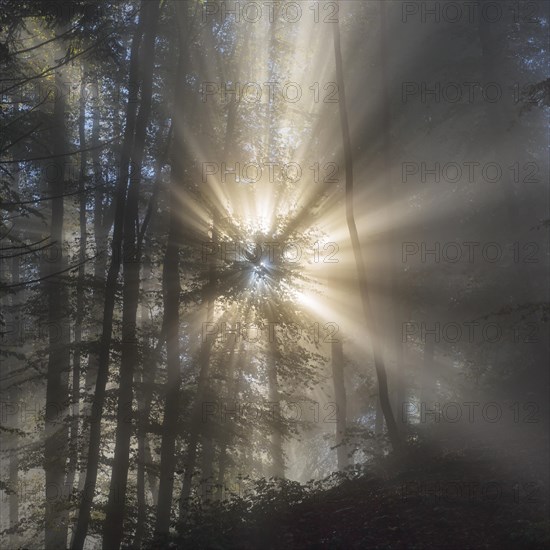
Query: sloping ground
(455,502)
(419,512)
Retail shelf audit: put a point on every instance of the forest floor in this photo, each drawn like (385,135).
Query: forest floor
(449,503)
(442,501)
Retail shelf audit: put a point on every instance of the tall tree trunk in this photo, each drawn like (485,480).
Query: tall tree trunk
(232,383)
(370,323)
(428,372)
(207,437)
(146,380)
(77,353)
(207,468)
(379,417)
(140,478)
(401,372)
(145,458)
(92,461)
(141,421)
(171,292)
(141,515)
(14,392)
(338,381)
(394,237)
(113,526)
(101,230)
(57,386)
(13,440)
(197,409)
(277,455)
(171,295)
(195,431)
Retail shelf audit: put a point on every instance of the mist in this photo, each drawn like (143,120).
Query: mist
(274,274)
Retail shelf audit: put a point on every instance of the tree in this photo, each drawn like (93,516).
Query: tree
(356,245)
(171,293)
(338,381)
(57,386)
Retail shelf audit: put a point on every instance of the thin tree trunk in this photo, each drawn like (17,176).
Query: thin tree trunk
(401,364)
(171,292)
(207,468)
(152,479)
(100,267)
(73,461)
(147,380)
(197,410)
(226,437)
(194,435)
(338,381)
(207,441)
(145,458)
(232,392)
(428,371)
(277,455)
(14,393)
(379,417)
(13,466)
(57,388)
(140,481)
(370,323)
(141,431)
(396,317)
(13,440)
(142,421)
(100,232)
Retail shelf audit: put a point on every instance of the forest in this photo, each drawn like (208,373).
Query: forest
(274,274)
